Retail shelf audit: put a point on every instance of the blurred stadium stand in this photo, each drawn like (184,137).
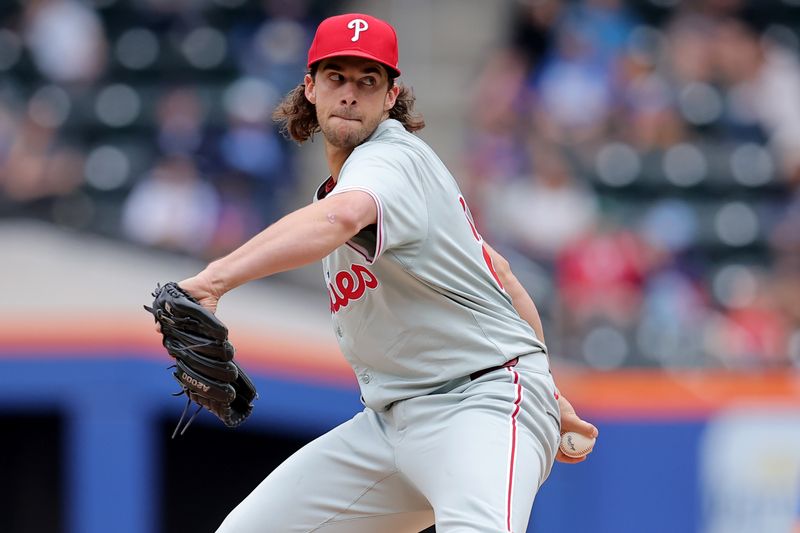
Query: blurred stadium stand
(637,161)
(667,129)
(644,155)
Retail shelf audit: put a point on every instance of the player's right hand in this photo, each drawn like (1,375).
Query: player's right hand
(570,421)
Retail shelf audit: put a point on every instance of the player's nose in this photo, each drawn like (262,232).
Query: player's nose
(348,95)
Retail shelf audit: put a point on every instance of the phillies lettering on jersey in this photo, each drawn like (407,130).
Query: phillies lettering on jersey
(347,286)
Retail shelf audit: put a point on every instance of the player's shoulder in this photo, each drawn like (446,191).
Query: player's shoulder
(390,142)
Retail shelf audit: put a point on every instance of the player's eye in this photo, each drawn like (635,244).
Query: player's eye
(369,81)
(335,76)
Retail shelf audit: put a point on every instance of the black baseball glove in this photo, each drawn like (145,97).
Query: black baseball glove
(204,364)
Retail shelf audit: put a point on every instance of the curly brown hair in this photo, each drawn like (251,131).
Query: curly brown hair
(298,117)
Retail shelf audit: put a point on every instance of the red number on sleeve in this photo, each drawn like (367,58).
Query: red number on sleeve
(486,257)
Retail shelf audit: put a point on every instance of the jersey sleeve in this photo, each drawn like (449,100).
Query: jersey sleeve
(399,196)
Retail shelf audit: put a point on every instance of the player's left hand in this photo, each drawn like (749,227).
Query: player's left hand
(201,288)
(570,421)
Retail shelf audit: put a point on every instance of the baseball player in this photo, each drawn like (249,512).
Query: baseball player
(462,418)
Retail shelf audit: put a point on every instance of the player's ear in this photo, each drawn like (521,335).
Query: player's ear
(391,98)
(311,89)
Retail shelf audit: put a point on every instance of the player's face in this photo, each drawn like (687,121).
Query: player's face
(352,96)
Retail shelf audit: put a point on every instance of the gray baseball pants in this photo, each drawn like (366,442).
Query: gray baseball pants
(470,460)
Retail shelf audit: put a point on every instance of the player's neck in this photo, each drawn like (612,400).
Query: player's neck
(336,157)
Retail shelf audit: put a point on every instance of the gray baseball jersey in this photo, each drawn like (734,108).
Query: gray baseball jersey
(418,310)
(416,304)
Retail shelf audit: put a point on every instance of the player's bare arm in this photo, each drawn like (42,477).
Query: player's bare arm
(298,239)
(519,296)
(526,308)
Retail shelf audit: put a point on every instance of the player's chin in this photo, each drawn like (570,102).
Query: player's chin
(346,135)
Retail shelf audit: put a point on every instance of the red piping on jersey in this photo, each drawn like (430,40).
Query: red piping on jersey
(486,257)
(513,455)
(379,206)
(490,264)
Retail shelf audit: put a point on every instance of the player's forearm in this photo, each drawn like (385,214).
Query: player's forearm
(523,303)
(520,298)
(298,239)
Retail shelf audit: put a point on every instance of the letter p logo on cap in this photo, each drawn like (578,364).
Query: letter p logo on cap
(357,35)
(358,25)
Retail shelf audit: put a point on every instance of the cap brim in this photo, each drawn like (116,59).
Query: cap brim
(357,53)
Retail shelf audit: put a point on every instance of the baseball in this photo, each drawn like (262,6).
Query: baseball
(576,445)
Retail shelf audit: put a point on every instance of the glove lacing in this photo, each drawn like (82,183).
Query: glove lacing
(181,392)
(183,414)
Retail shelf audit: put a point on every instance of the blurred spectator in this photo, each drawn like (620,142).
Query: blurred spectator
(573,92)
(532,23)
(238,218)
(606,24)
(600,281)
(765,88)
(645,107)
(785,236)
(674,309)
(33,163)
(180,120)
(251,146)
(751,332)
(274,48)
(786,290)
(545,212)
(173,208)
(669,227)
(66,40)
(675,303)
(602,275)
(690,49)
(496,144)
(276,51)
(573,86)
(8,130)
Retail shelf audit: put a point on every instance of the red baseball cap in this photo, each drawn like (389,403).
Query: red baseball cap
(358,35)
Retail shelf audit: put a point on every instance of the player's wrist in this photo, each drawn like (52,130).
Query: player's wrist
(216,280)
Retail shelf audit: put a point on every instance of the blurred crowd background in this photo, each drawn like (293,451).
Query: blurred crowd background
(637,161)
(643,159)
(150,120)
